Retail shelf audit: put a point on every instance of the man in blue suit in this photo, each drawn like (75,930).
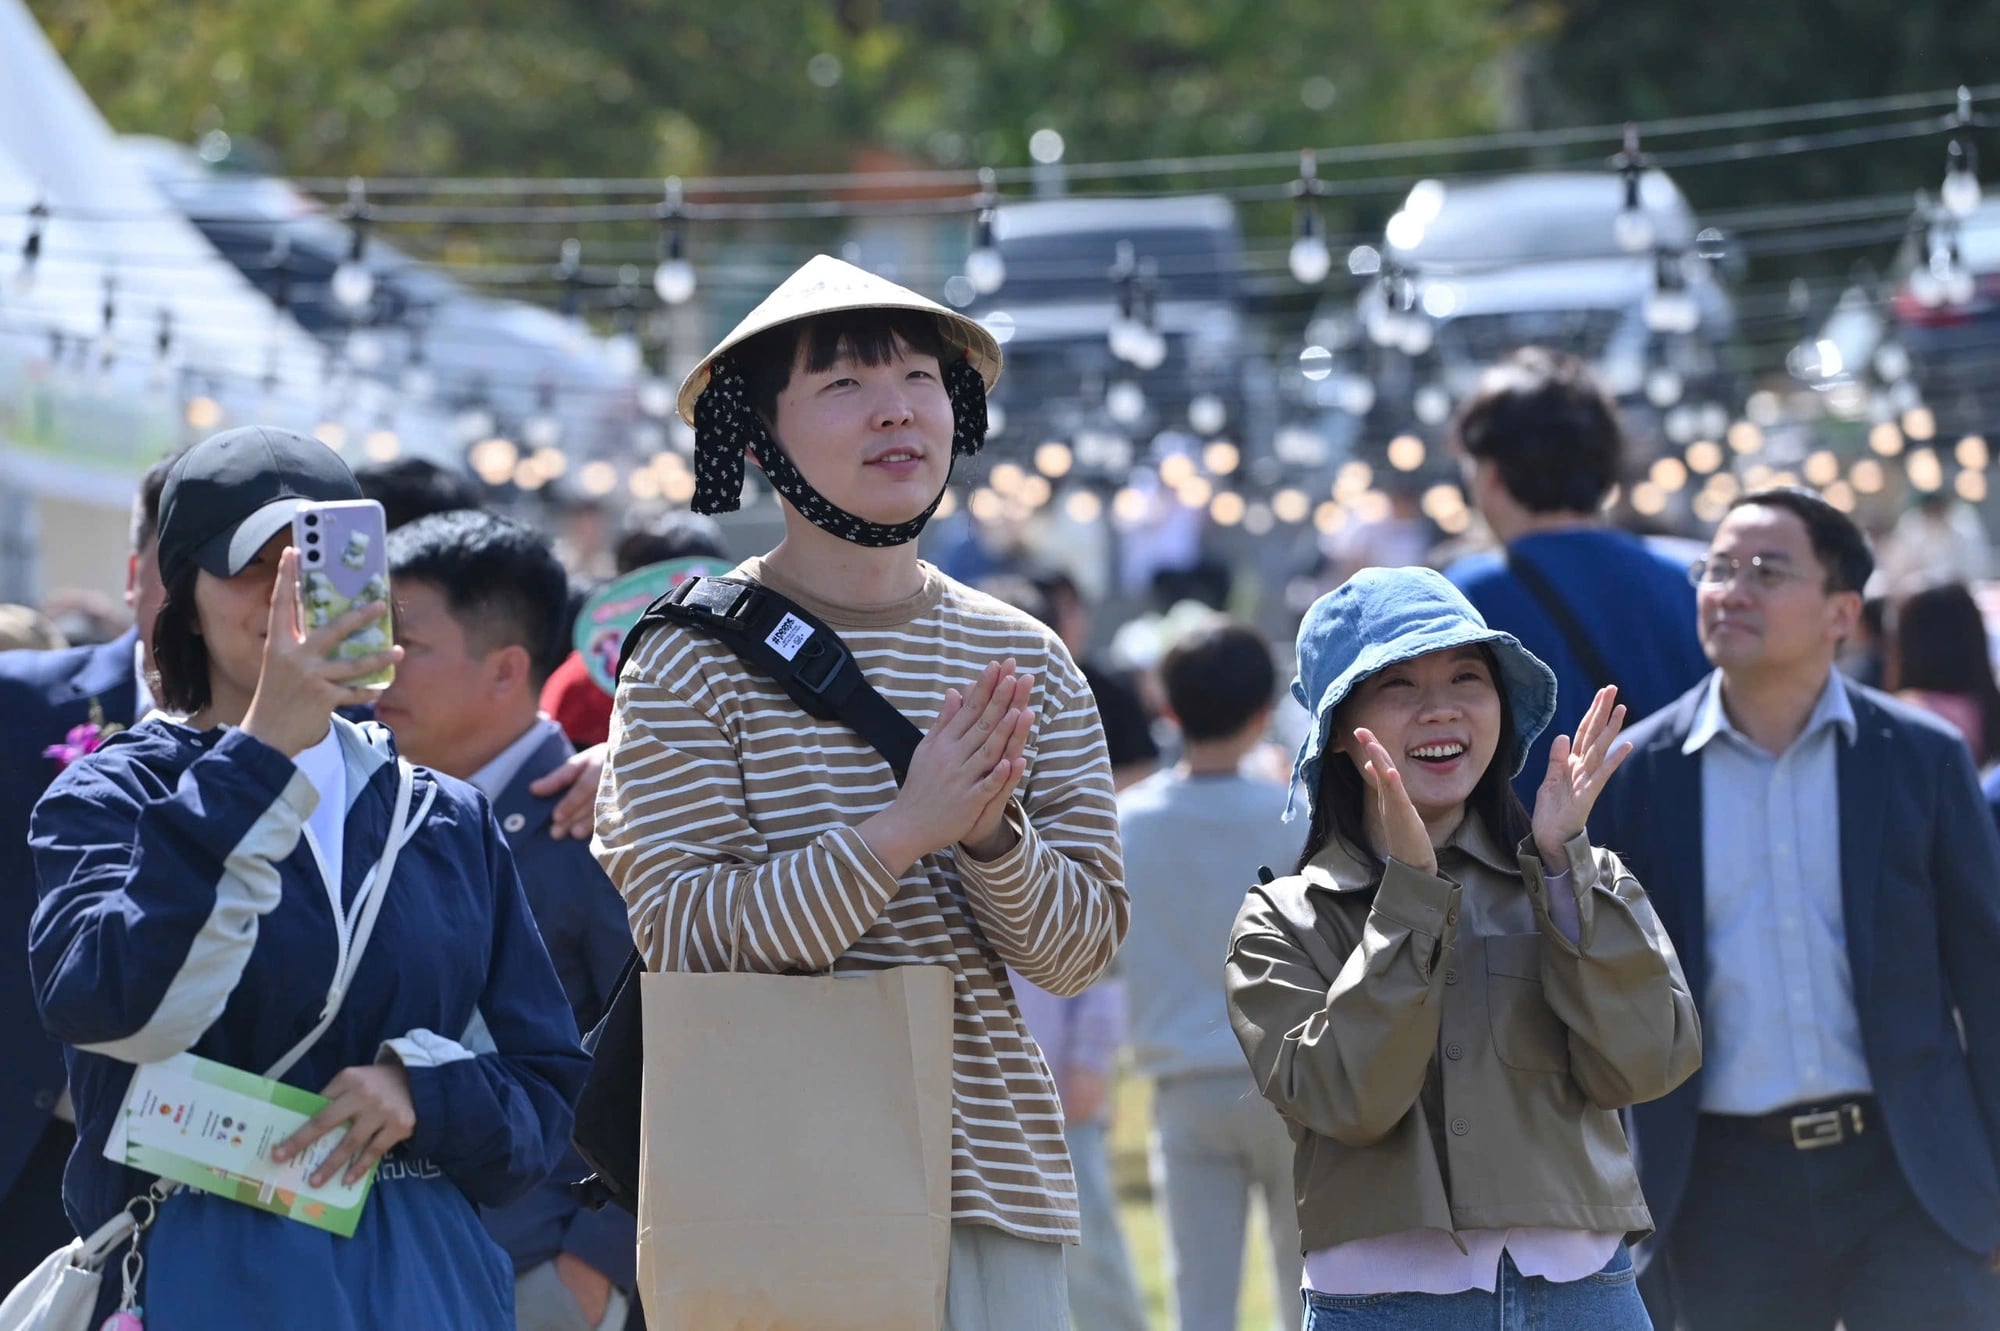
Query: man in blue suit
(481,612)
(1825,864)
(43,696)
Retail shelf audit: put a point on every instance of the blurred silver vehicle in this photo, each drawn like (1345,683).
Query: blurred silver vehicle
(1469,271)
(1120,318)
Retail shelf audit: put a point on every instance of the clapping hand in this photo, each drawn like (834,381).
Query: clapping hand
(1402,828)
(1577,775)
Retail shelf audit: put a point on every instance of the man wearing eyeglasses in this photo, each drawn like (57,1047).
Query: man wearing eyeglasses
(1825,865)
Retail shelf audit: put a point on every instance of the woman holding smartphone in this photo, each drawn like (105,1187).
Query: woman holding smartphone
(1450,1000)
(206,886)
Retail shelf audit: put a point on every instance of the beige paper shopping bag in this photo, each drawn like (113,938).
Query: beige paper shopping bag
(795,1151)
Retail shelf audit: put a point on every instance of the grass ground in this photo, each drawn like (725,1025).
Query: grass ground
(1132,1120)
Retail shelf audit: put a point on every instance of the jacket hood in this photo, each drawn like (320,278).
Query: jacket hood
(1381,616)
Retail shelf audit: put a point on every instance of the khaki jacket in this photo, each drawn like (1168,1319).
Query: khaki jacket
(1444,1057)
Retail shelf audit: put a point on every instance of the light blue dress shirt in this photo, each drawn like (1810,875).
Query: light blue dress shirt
(493,779)
(1779,1026)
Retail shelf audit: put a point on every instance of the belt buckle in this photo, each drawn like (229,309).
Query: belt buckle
(1812,1131)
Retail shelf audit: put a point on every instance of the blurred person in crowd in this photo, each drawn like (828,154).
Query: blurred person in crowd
(1827,871)
(854,396)
(1942,661)
(1940,538)
(412,488)
(1195,836)
(1400,538)
(1541,448)
(1080,1037)
(1121,706)
(26,629)
(583,526)
(86,618)
(1863,656)
(1451,999)
(480,607)
(199,882)
(56,705)
(571,697)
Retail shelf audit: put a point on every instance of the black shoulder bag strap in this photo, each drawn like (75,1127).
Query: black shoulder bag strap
(780,639)
(783,640)
(1550,600)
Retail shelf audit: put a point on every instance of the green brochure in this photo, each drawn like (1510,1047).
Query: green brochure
(212,1127)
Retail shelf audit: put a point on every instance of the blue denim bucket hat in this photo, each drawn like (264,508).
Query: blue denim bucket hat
(1384,615)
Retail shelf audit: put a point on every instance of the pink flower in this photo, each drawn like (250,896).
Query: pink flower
(82,739)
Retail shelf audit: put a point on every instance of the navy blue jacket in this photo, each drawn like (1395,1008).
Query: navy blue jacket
(1636,605)
(582,920)
(181,910)
(42,695)
(1920,892)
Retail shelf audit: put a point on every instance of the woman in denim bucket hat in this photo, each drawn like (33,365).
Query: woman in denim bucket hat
(1450,1000)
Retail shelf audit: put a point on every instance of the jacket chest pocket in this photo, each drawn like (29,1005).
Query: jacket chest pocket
(1527,1035)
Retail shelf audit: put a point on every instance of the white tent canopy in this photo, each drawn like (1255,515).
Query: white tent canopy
(84,424)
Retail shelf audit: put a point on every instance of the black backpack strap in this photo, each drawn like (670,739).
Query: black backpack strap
(1580,646)
(788,643)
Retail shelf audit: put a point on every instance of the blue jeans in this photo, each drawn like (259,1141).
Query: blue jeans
(1606,1301)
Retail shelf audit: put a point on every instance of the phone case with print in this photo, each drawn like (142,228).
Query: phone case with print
(344,562)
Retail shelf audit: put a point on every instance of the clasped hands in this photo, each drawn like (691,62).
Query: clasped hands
(962,776)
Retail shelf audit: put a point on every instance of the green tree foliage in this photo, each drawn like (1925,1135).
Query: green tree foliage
(648,87)
(1609,61)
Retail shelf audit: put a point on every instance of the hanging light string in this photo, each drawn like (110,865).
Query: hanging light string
(1507,141)
(971,202)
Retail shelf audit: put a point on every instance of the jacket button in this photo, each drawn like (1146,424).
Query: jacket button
(513,822)
(1451,976)
(1454,1051)
(1459,1127)
(45,1099)
(1451,917)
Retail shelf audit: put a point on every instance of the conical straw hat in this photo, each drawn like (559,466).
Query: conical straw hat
(826,284)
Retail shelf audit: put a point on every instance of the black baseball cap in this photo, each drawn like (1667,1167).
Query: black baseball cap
(234,491)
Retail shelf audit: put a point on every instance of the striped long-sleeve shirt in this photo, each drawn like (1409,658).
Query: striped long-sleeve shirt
(717,784)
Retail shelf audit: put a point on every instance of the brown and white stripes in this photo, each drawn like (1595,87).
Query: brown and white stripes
(718,784)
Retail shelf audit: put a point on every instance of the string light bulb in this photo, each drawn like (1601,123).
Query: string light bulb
(984,268)
(674,278)
(31,248)
(1960,192)
(1310,259)
(1632,228)
(107,337)
(163,351)
(1207,413)
(353,285)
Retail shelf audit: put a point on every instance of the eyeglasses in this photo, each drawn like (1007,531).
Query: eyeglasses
(1761,573)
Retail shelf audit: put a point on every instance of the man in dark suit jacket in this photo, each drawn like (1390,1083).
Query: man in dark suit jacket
(43,696)
(481,611)
(1825,864)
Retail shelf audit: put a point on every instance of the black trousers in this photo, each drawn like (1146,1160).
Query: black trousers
(1772,1238)
(32,1223)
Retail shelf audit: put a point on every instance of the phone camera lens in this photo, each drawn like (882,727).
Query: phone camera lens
(312,538)
(312,519)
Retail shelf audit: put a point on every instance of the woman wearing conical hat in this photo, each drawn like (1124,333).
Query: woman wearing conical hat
(854,397)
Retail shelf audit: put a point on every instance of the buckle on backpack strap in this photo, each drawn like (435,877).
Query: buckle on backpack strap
(717,597)
(817,665)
